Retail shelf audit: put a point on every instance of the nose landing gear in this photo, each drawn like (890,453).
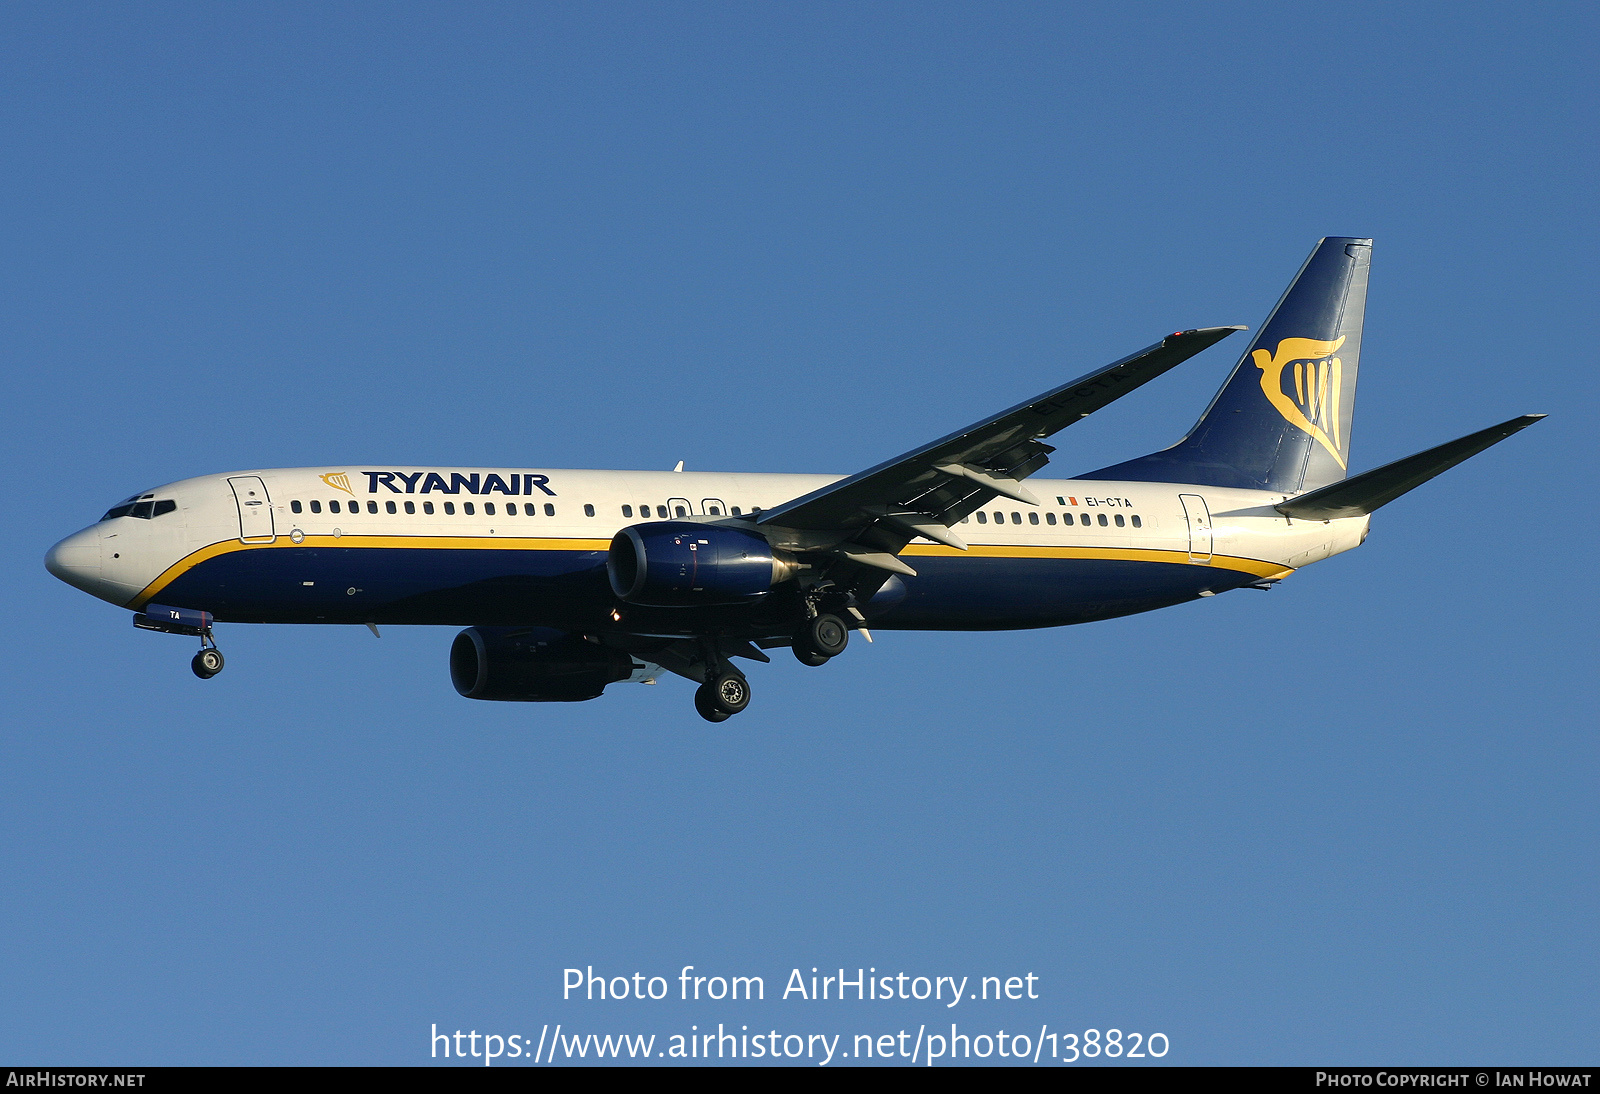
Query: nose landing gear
(207,663)
(159,617)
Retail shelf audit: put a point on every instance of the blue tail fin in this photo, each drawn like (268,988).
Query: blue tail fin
(1282,421)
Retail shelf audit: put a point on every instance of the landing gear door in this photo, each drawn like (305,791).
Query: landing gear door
(255,509)
(1199,517)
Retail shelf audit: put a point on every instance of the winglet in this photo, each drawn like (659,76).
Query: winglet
(1372,489)
(1215,333)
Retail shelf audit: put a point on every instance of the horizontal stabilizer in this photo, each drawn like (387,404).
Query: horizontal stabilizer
(1369,491)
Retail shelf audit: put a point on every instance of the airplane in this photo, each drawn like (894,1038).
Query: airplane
(568,581)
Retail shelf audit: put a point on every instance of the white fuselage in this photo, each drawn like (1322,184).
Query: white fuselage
(130,561)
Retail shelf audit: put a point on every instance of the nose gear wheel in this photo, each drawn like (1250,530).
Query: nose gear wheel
(207,663)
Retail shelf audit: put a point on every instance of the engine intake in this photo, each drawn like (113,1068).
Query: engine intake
(533,665)
(672,564)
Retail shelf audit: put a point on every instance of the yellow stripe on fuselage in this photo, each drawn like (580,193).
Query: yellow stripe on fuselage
(1251,566)
(1118,554)
(436,543)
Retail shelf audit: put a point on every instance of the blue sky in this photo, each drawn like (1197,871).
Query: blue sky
(1351,821)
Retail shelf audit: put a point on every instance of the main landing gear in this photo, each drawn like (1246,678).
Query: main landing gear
(725,693)
(820,639)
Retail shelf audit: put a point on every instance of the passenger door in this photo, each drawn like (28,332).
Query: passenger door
(255,509)
(1199,518)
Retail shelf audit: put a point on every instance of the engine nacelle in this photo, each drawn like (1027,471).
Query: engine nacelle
(674,564)
(533,665)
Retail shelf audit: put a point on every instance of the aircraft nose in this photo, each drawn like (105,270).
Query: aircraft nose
(76,560)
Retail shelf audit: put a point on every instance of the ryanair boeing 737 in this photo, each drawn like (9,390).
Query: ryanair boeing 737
(568,581)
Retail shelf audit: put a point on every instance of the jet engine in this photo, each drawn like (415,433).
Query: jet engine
(533,665)
(673,564)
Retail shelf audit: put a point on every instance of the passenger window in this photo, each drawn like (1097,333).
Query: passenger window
(999,518)
(372,507)
(333,506)
(427,507)
(963,520)
(1136,522)
(1120,521)
(1102,520)
(316,507)
(411,508)
(294,507)
(627,510)
(1016,518)
(661,511)
(983,518)
(449,508)
(1049,518)
(682,512)
(588,510)
(736,511)
(488,508)
(466,508)
(1083,519)
(388,506)
(549,510)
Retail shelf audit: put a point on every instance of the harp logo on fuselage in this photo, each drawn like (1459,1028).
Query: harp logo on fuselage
(454,482)
(1317,378)
(338,480)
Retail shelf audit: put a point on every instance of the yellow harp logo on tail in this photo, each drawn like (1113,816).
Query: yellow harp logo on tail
(1318,386)
(339,481)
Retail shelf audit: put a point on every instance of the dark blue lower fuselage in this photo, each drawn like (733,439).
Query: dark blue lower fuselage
(568,588)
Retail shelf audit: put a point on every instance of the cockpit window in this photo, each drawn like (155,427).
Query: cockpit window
(144,509)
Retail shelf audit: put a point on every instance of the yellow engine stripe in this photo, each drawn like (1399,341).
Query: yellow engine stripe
(1251,566)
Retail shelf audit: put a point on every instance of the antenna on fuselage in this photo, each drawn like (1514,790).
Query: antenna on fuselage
(679,467)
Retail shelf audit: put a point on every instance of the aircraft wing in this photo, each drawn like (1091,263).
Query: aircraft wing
(928,489)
